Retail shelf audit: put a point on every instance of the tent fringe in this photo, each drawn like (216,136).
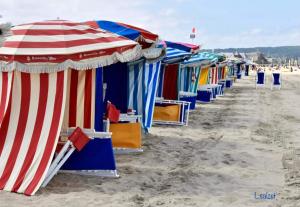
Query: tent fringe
(87,64)
(152,53)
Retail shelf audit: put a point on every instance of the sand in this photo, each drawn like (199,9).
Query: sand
(244,143)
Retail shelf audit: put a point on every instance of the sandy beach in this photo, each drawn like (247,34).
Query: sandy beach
(241,145)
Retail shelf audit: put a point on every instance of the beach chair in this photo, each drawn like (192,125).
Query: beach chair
(126,130)
(77,139)
(260,79)
(204,95)
(209,92)
(276,80)
(217,89)
(188,97)
(127,134)
(222,84)
(229,82)
(171,112)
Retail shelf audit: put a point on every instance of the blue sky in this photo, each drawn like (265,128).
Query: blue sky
(219,23)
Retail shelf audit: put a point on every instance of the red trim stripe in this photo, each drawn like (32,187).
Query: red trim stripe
(22,122)
(5,123)
(52,134)
(73,98)
(44,85)
(4,95)
(60,44)
(50,32)
(55,22)
(87,99)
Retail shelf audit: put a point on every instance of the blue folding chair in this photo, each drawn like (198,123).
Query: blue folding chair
(260,79)
(276,80)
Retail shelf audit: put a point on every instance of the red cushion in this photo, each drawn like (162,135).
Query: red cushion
(79,139)
(113,114)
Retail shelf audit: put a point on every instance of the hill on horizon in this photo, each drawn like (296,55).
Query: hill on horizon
(275,52)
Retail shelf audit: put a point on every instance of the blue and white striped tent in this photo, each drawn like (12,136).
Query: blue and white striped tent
(142,88)
(175,55)
(188,79)
(201,59)
(133,86)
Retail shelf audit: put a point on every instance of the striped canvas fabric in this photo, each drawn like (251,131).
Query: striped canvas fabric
(142,89)
(195,79)
(136,87)
(30,129)
(213,75)
(80,99)
(184,46)
(201,59)
(6,83)
(175,55)
(129,31)
(59,45)
(151,72)
(188,78)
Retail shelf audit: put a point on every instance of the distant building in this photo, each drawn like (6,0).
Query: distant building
(259,58)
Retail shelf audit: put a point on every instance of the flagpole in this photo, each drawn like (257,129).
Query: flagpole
(193,35)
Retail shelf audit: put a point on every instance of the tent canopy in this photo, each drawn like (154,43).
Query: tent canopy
(140,35)
(147,40)
(184,46)
(52,46)
(174,55)
(201,59)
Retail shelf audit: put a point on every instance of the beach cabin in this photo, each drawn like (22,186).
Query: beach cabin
(51,113)
(131,87)
(173,102)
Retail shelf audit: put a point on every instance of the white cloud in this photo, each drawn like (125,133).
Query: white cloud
(167,18)
(252,38)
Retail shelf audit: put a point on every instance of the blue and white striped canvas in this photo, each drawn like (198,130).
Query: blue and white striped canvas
(175,55)
(203,58)
(151,73)
(188,78)
(142,88)
(136,86)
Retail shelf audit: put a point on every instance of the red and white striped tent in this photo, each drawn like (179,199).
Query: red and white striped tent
(36,85)
(214,75)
